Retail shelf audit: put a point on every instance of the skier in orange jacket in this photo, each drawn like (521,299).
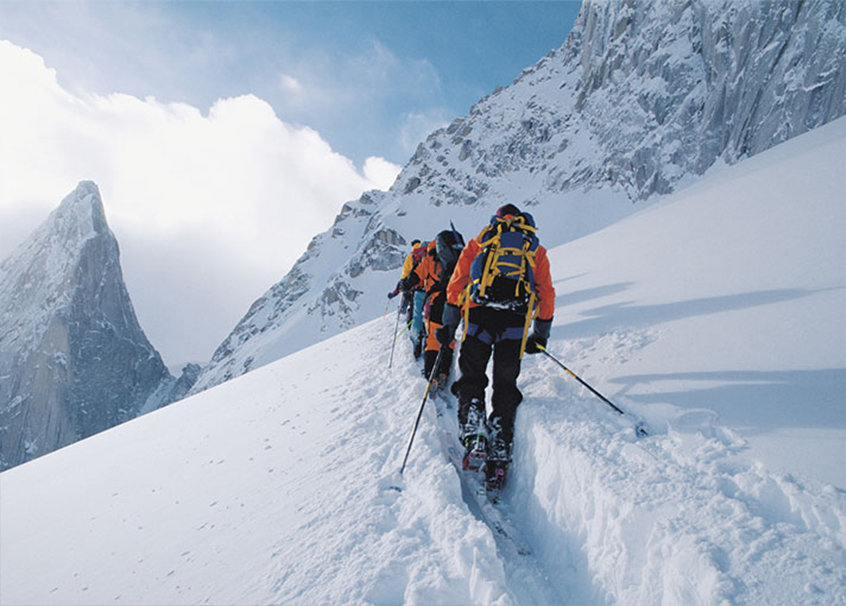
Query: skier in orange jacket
(497,315)
(413,298)
(432,276)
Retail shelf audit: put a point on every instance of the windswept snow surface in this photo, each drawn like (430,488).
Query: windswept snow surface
(728,302)
(716,315)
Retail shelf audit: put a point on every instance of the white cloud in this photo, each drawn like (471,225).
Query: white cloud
(380,171)
(200,203)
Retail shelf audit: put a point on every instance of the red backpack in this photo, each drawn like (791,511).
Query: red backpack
(418,255)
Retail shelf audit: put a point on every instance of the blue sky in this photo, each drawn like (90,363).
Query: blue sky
(382,66)
(209,125)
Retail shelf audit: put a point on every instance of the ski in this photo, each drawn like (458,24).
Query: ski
(474,487)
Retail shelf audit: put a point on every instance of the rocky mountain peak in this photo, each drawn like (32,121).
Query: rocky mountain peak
(73,357)
(86,206)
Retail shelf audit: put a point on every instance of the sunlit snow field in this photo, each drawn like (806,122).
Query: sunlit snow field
(716,315)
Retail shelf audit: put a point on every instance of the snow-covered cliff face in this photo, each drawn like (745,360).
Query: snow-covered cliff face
(646,93)
(643,96)
(73,358)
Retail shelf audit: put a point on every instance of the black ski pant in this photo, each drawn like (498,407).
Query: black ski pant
(444,366)
(497,333)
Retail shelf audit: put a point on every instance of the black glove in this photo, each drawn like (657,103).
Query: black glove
(393,294)
(451,316)
(409,282)
(539,336)
(445,334)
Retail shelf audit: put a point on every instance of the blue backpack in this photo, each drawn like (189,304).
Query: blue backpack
(502,274)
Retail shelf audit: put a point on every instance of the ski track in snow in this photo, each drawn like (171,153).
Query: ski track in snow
(527,579)
(673,518)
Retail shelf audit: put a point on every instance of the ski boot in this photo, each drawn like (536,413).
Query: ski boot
(495,479)
(439,384)
(499,456)
(474,437)
(475,446)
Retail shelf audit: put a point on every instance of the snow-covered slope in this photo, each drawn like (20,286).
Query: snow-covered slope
(715,315)
(736,291)
(642,97)
(73,358)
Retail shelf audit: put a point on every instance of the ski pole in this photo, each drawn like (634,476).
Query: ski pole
(394,344)
(402,332)
(422,405)
(572,374)
(639,427)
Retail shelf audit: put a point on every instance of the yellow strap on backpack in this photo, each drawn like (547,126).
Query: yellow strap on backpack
(531,313)
(465,294)
(485,280)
